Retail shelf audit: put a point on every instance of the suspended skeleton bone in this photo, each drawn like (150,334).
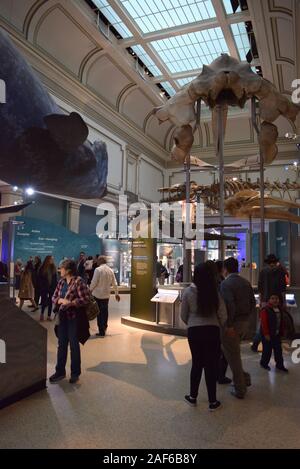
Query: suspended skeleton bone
(247,203)
(210,194)
(226,82)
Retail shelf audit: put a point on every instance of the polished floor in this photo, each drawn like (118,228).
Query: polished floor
(131,396)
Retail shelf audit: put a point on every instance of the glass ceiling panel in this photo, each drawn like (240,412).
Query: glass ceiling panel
(241,39)
(191,51)
(113,18)
(169,88)
(146,59)
(229,8)
(155,15)
(184,81)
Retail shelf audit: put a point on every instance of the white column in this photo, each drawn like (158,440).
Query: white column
(74,216)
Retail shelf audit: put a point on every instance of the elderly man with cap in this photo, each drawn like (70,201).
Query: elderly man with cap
(271,281)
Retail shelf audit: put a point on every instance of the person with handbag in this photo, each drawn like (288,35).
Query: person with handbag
(102,280)
(70,298)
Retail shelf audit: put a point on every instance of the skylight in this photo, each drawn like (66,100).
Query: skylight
(191,51)
(155,15)
(146,59)
(241,39)
(168,87)
(113,18)
(184,81)
(235,6)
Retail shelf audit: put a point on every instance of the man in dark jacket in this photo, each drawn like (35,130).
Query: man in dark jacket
(271,280)
(240,302)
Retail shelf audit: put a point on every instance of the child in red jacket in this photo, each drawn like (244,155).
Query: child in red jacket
(272,330)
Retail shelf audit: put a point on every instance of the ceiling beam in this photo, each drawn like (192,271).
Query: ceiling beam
(136,32)
(184,29)
(226,29)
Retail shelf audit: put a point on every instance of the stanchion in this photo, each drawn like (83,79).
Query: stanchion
(187,253)
(220,155)
(262,237)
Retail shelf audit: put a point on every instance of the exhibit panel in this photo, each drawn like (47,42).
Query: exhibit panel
(143,279)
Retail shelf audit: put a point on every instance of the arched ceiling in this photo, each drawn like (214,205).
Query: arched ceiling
(65,33)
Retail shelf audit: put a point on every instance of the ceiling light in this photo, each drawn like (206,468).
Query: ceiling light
(29,191)
(291,136)
(15,188)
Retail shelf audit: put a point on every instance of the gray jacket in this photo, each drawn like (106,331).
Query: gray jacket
(189,310)
(239,298)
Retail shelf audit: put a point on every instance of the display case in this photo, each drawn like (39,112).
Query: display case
(125,263)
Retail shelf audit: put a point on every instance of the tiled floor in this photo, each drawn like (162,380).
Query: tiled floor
(130,396)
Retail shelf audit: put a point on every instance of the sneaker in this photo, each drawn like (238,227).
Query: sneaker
(225,380)
(237,394)
(265,367)
(100,335)
(49,318)
(56,377)
(74,379)
(282,368)
(254,348)
(214,406)
(192,401)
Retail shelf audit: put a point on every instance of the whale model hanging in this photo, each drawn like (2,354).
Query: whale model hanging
(40,146)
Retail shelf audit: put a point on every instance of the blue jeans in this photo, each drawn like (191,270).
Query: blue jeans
(67,334)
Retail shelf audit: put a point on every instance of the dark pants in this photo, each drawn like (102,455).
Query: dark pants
(268,347)
(223,365)
(46,300)
(67,334)
(102,317)
(37,294)
(204,342)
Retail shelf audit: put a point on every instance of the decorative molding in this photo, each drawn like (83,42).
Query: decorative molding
(279,9)
(123,95)
(144,159)
(281,80)
(30,14)
(85,61)
(41,20)
(65,12)
(278,56)
(171,128)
